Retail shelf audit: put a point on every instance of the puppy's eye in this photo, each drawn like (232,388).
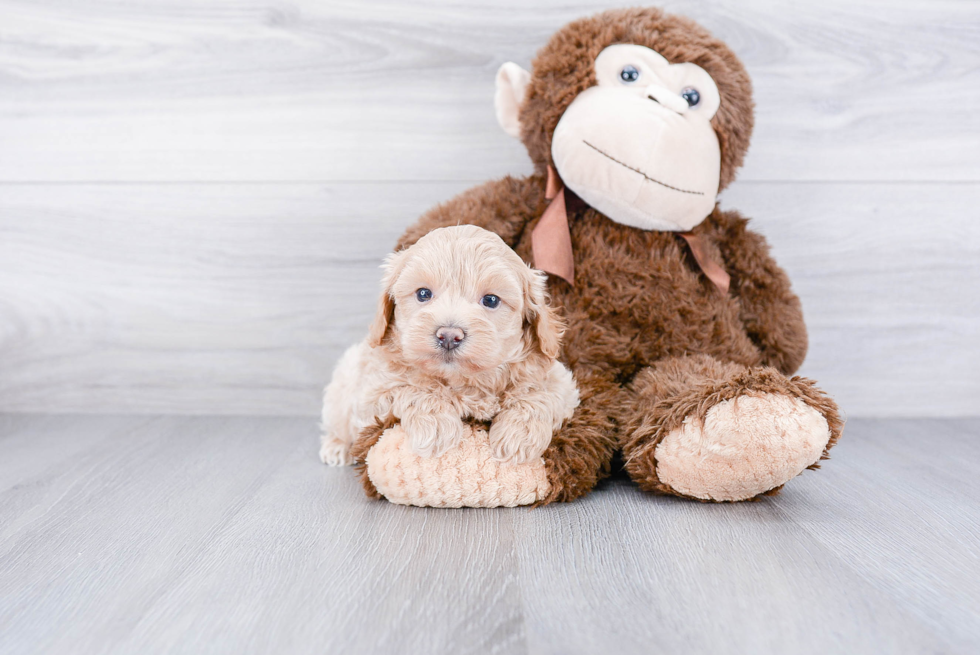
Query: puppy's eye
(629,74)
(490,301)
(423,295)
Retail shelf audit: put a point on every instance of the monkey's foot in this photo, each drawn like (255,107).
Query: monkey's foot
(466,475)
(743,447)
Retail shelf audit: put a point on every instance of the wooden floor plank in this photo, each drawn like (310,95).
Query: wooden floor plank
(226,535)
(31,444)
(656,575)
(898,505)
(312,566)
(131,516)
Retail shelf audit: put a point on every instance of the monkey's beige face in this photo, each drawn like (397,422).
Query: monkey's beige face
(459,302)
(639,146)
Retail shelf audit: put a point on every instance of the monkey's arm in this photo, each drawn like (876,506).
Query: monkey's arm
(770,310)
(503,206)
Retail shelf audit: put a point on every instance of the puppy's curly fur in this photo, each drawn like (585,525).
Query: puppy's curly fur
(502,370)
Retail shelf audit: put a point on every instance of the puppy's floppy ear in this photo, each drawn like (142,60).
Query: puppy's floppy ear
(543,329)
(385,315)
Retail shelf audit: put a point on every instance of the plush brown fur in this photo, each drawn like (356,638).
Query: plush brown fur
(650,339)
(359,450)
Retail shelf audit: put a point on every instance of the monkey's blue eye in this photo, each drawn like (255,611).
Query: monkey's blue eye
(629,73)
(692,96)
(490,301)
(423,294)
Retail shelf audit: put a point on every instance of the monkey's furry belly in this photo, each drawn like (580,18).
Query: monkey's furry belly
(639,296)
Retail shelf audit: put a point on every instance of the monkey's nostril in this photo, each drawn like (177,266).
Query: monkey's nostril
(654,99)
(450,337)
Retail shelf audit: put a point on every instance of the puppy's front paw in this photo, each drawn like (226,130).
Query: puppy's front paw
(334,452)
(430,435)
(515,440)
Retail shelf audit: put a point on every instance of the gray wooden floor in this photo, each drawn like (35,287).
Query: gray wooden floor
(179,535)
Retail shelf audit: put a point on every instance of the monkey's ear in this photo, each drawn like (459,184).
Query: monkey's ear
(511,84)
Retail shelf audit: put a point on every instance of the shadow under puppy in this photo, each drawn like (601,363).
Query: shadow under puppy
(463,331)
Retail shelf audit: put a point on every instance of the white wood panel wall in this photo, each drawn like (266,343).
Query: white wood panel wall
(194,197)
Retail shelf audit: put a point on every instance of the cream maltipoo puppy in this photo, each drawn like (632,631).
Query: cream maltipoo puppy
(463,331)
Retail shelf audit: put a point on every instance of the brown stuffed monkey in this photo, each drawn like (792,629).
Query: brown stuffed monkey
(682,331)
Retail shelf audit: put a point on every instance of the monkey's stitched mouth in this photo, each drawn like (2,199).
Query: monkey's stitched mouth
(645,176)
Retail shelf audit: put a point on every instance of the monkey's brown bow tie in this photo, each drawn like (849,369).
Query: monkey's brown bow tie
(551,242)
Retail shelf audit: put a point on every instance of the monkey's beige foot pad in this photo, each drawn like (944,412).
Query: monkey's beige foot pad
(464,476)
(746,446)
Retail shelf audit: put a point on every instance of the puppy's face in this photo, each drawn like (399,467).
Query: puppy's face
(460,300)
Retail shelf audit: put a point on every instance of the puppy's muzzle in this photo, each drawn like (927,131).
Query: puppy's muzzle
(450,337)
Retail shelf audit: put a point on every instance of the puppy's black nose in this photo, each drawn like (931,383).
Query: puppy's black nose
(450,337)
